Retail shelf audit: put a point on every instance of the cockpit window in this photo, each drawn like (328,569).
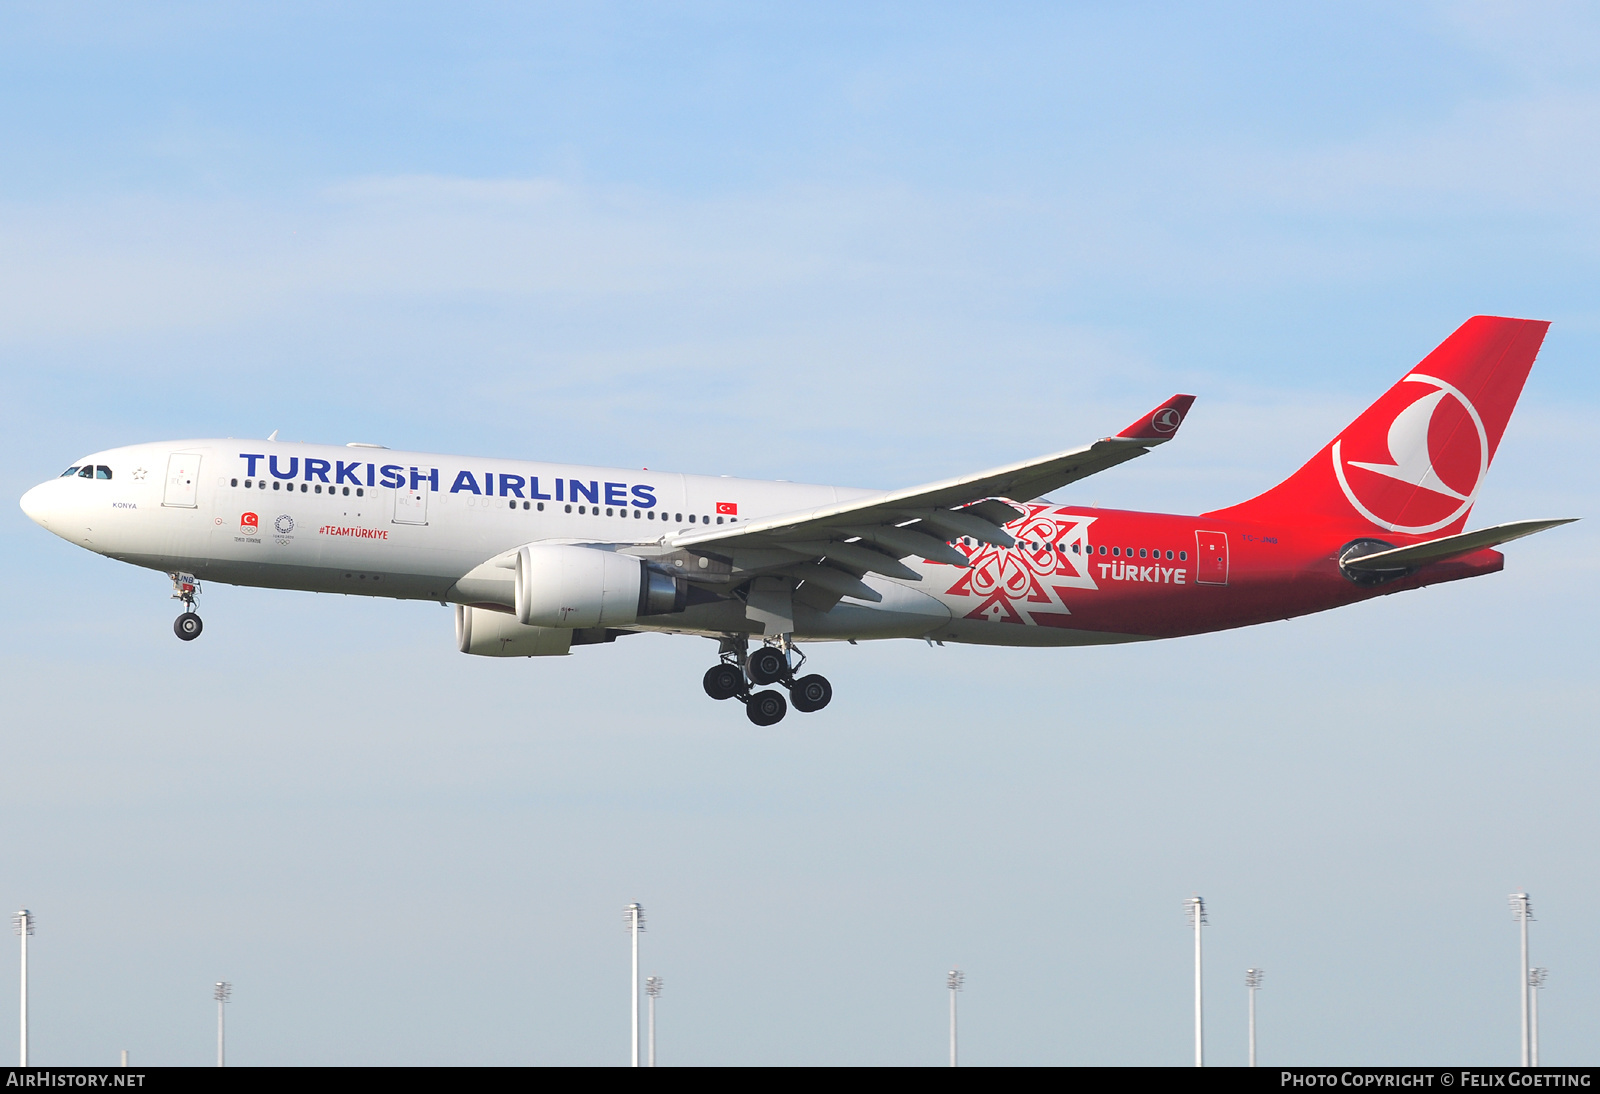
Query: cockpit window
(87,472)
(101,471)
(69,472)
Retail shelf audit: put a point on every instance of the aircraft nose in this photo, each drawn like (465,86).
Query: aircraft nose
(36,505)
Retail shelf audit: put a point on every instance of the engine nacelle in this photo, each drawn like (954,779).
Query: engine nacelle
(496,634)
(559,585)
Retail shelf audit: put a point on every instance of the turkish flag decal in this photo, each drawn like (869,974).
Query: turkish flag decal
(727,509)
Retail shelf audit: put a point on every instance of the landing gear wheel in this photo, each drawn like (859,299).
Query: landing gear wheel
(768,665)
(766,708)
(724,681)
(187,626)
(810,693)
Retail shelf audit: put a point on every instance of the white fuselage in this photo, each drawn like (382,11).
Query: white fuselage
(410,525)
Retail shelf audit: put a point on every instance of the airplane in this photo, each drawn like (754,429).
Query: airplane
(538,558)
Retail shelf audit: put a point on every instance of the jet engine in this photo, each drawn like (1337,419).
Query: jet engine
(495,634)
(559,585)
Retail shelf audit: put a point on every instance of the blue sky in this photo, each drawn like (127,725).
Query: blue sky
(872,245)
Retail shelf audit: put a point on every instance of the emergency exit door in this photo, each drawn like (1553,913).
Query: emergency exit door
(1211,558)
(183,480)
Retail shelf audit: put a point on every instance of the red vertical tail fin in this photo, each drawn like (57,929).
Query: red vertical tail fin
(1414,461)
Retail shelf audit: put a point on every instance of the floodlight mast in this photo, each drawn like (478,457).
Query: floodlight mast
(633,920)
(1522,912)
(1252,980)
(652,988)
(1535,986)
(22,922)
(1195,908)
(954,979)
(221,992)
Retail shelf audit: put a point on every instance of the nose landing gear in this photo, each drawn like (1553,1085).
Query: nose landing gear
(185,588)
(732,676)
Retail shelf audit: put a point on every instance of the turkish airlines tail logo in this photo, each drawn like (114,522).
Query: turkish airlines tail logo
(1414,461)
(1409,446)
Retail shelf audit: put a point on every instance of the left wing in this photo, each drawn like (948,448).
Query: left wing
(832,546)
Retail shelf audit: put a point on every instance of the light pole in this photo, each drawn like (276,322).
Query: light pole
(221,993)
(1522,912)
(1252,980)
(633,920)
(652,988)
(1535,986)
(23,922)
(1195,909)
(953,980)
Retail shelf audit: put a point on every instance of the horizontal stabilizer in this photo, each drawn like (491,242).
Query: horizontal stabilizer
(1437,550)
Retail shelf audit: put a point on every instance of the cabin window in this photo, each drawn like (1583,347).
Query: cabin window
(637,514)
(234,482)
(1142,553)
(276,485)
(1116,550)
(609,513)
(569,508)
(680,517)
(303,488)
(319,489)
(719,520)
(1183,556)
(541,507)
(1169,556)
(359,492)
(513,505)
(581,511)
(651,515)
(347,491)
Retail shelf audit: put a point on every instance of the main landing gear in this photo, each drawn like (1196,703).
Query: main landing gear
(185,588)
(732,676)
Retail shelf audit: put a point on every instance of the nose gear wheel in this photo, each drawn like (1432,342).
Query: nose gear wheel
(185,588)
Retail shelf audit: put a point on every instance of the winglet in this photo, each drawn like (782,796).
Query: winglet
(1162,423)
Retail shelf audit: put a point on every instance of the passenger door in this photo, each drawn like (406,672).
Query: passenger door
(183,480)
(1211,558)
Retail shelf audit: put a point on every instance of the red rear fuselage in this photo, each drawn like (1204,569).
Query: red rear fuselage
(1158,575)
